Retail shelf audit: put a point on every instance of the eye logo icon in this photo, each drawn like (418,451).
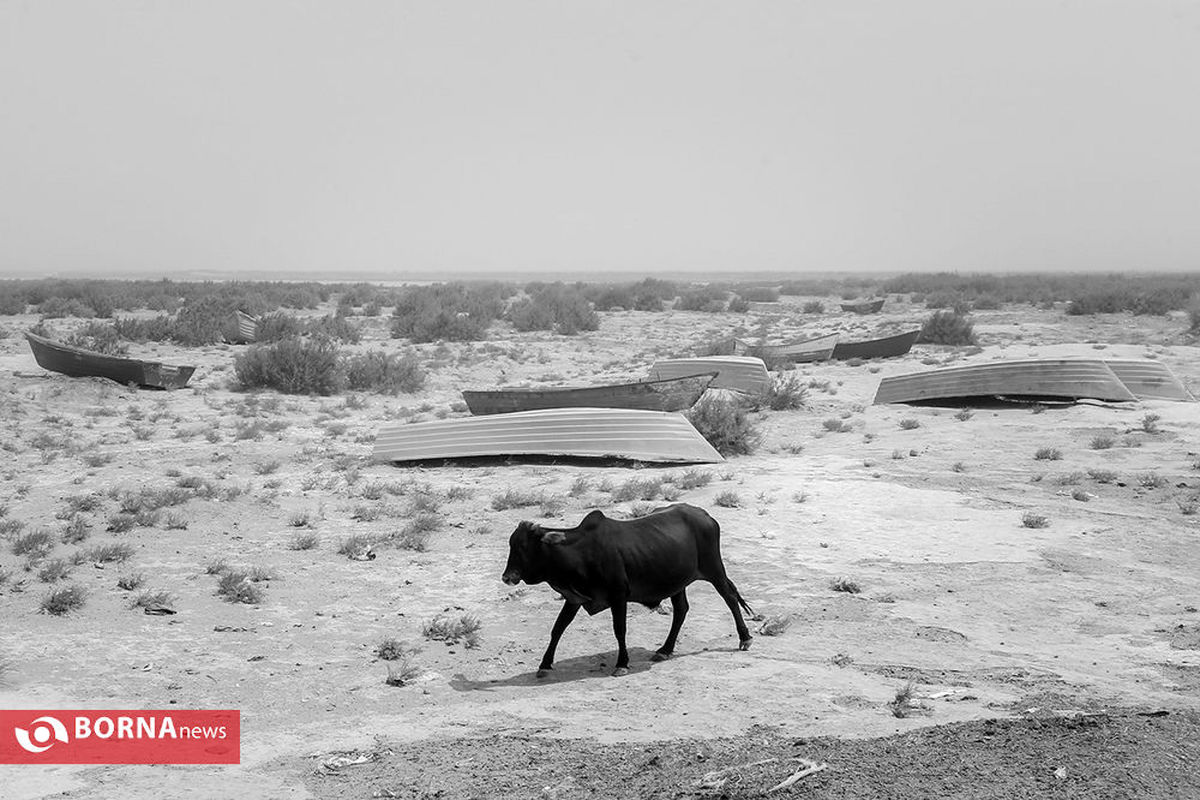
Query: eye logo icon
(44,728)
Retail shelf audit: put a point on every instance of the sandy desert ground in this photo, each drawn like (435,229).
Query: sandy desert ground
(988,620)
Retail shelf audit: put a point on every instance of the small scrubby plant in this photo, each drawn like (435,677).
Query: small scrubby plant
(464,628)
(728,499)
(845,585)
(1048,454)
(1032,520)
(292,366)
(909,423)
(947,327)
(238,586)
(64,600)
(724,423)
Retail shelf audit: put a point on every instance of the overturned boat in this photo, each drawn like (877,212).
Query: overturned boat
(80,363)
(819,348)
(885,347)
(608,433)
(668,394)
(240,328)
(863,306)
(1050,378)
(740,373)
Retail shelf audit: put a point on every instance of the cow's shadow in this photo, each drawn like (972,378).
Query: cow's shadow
(579,668)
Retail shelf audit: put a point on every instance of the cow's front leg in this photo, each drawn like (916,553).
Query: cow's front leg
(618,615)
(679,609)
(568,612)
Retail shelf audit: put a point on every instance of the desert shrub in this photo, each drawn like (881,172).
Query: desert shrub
(638,489)
(986,302)
(155,329)
(724,423)
(54,570)
(336,327)
(201,321)
(1032,520)
(292,366)
(238,586)
(99,337)
(35,544)
(1193,312)
(738,305)
(759,294)
(909,423)
(59,307)
(845,585)
(728,499)
(563,309)
(464,628)
(452,312)
(383,372)
(813,307)
(130,582)
(1102,441)
(64,600)
(276,327)
(702,298)
(305,541)
(11,303)
(513,498)
(1048,454)
(111,553)
(947,327)
(951,300)
(786,392)
(693,478)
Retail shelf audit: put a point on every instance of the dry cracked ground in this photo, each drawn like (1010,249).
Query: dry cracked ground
(927,641)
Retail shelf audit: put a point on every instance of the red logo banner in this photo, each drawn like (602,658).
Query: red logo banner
(122,736)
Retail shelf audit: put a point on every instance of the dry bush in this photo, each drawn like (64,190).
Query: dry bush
(451,630)
(845,585)
(239,586)
(1032,520)
(563,309)
(64,600)
(292,366)
(947,327)
(728,499)
(385,373)
(724,423)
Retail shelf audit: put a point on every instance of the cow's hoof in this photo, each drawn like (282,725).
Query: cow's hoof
(745,644)
(544,671)
(660,656)
(619,671)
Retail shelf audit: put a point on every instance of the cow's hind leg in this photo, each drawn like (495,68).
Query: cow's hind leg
(618,615)
(568,612)
(679,608)
(733,599)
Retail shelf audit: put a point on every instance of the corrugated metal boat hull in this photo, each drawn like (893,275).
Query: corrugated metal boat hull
(1149,379)
(653,436)
(241,328)
(80,363)
(740,373)
(672,394)
(818,349)
(887,347)
(865,307)
(1067,378)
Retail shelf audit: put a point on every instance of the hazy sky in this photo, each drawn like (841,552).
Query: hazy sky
(644,135)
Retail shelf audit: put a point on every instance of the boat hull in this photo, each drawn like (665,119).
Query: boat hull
(818,349)
(650,436)
(739,373)
(673,394)
(1072,379)
(887,347)
(866,307)
(79,363)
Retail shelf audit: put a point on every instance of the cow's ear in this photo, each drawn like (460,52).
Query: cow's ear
(593,519)
(553,537)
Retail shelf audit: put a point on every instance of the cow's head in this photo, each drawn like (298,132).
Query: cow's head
(527,554)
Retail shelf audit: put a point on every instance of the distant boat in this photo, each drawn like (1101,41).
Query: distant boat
(80,363)
(669,394)
(1071,379)
(651,436)
(240,328)
(818,349)
(887,347)
(741,373)
(864,306)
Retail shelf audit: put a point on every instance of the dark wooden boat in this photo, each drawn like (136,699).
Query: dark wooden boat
(80,363)
(817,349)
(887,347)
(864,306)
(670,394)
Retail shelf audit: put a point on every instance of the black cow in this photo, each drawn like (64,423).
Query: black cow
(606,563)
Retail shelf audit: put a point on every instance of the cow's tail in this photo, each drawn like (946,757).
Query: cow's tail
(741,600)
